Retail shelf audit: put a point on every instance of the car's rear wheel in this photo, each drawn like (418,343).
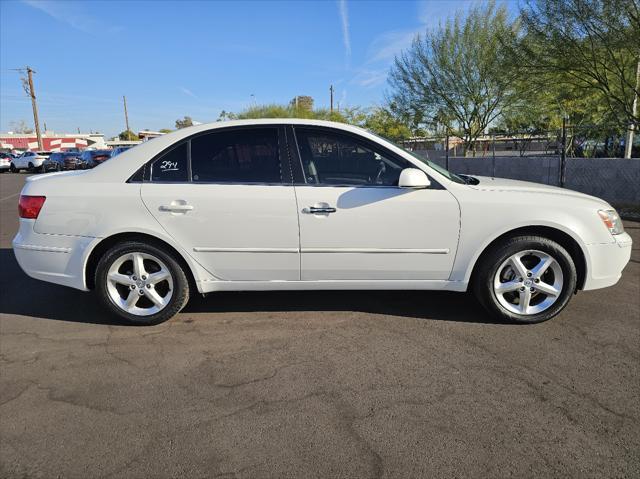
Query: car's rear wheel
(525,279)
(141,283)
(12,168)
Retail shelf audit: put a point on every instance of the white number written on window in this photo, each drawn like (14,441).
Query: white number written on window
(167,165)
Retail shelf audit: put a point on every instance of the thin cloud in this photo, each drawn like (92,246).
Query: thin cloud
(188,92)
(370,78)
(431,14)
(386,46)
(71,13)
(344,18)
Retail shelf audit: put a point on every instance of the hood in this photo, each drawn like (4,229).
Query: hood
(502,184)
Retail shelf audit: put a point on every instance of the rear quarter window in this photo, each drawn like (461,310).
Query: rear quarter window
(171,166)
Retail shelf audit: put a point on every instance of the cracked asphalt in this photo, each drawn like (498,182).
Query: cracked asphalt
(324,384)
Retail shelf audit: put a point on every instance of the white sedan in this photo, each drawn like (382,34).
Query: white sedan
(302,204)
(29,160)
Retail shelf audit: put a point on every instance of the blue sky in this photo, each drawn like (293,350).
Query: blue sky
(197,58)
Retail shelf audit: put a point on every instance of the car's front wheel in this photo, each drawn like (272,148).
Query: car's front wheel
(141,283)
(525,279)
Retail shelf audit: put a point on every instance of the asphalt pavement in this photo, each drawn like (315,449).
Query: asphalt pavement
(314,384)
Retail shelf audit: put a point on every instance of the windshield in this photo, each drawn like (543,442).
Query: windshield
(443,171)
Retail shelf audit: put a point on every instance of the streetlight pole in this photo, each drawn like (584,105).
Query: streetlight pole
(629,143)
(331,97)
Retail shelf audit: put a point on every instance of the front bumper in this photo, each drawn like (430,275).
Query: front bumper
(606,262)
(54,258)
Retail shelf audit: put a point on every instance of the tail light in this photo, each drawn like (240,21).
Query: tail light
(29,206)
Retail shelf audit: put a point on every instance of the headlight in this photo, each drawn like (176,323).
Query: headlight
(612,221)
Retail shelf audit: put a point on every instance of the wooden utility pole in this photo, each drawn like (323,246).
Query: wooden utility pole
(32,94)
(331,95)
(126,115)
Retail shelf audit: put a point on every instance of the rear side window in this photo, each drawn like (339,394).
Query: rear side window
(241,156)
(171,166)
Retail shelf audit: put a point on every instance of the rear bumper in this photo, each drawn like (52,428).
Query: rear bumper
(57,259)
(607,262)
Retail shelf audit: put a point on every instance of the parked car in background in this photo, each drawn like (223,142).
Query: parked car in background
(120,149)
(29,160)
(5,162)
(92,158)
(294,204)
(61,160)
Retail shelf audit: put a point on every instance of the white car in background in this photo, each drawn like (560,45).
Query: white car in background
(29,160)
(5,162)
(308,205)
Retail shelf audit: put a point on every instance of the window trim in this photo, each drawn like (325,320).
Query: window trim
(300,179)
(283,157)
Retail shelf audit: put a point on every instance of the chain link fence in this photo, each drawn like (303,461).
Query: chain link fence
(590,162)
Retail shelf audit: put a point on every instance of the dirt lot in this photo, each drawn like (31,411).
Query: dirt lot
(323,384)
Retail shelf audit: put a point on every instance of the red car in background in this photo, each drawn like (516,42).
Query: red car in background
(92,158)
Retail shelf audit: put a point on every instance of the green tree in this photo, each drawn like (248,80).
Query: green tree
(586,47)
(128,135)
(302,102)
(384,123)
(165,130)
(379,120)
(457,71)
(184,123)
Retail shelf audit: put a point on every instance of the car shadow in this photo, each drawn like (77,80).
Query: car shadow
(22,295)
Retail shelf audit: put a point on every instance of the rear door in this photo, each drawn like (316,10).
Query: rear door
(227,197)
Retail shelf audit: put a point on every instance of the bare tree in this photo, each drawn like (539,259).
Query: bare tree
(20,127)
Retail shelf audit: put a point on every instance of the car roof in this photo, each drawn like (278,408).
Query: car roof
(133,158)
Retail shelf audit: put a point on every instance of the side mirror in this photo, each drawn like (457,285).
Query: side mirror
(413,178)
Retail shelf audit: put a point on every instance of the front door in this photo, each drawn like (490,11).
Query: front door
(357,224)
(228,206)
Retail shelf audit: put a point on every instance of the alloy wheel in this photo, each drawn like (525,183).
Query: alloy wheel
(139,284)
(528,282)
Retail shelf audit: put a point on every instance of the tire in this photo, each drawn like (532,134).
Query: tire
(30,167)
(13,169)
(119,260)
(502,286)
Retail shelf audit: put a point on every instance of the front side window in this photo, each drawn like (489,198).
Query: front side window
(330,158)
(241,156)
(171,166)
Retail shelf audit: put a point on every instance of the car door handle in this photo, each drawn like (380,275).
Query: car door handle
(314,210)
(176,208)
